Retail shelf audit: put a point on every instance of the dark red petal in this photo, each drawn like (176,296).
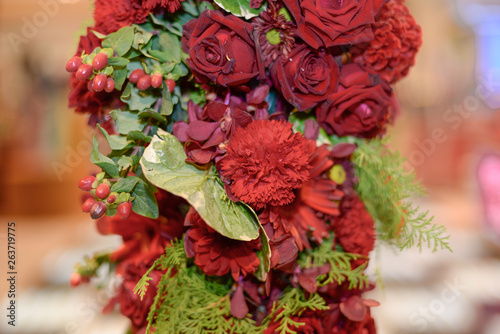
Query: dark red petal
(200,130)
(180,131)
(343,150)
(353,308)
(239,307)
(308,282)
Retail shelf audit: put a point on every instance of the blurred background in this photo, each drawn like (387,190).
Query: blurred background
(449,130)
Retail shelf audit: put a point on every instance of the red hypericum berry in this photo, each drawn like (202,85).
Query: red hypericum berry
(88,204)
(156,80)
(110,85)
(100,61)
(100,81)
(111,199)
(73,64)
(98,210)
(86,183)
(90,85)
(102,191)
(124,210)
(75,280)
(136,75)
(84,72)
(170,84)
(144,82)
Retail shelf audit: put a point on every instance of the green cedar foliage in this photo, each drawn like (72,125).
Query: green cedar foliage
(386,187)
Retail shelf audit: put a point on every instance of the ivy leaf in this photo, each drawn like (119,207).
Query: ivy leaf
(136,99)
(125,185)
(170,45)
(106,164)
(166,104)
(115,142)
(126,121)
(239,8)
(163,164)
(120,41)
(144,203)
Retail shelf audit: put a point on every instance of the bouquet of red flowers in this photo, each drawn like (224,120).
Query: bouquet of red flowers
(246,170)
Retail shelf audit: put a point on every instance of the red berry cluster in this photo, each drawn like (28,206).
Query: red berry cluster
(104,199)
(98,81)
(144,81)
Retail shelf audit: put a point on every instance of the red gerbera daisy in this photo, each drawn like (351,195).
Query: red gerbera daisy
(306,215)
(216,254)
(265,162)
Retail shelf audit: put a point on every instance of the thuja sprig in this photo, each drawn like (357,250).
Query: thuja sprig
(386,187)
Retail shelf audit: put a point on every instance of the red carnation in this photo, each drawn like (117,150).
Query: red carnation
(111,15)
(216,254)
(305,217)
(397,40)
(354,231)
(171,5)
(80,97)
(361,106)
(265,162)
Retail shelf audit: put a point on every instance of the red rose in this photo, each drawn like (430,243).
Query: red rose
(360,107)
(306,77)
(336,22)
(221,49)
(397,40)
(111,15)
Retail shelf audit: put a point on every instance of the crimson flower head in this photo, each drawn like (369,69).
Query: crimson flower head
(215,254)
(266,162)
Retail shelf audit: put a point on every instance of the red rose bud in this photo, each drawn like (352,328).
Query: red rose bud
(124,210)
(73,64)
(86,183)
(102,191)
(144,82)
(111,199)
(136,75)
(100,81)
(170,84)
(110,85)
(100,61)
(88,204)
(84,72)
(156,80)
(98,210)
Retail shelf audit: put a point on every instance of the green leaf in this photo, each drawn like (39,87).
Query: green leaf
(154,115)
(163,164)
(141,38)
(98,34)
(125,185)
(106,164)
(120,41)
(125,162)
(119,77)
(170,45)
(126,121)
(137,136)
(144,203)
(118,61)
(137,99)
(115,142)
(166,104)
(239,8)
(264,255)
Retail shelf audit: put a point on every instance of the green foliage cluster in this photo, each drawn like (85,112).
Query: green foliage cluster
(340,263)
(386,187)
